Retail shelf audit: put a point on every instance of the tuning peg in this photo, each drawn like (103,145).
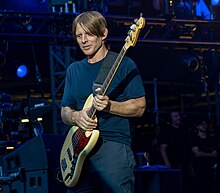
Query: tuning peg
(133,27)
(129,31)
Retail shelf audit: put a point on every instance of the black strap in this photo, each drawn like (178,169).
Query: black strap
(106,66)
(105,69)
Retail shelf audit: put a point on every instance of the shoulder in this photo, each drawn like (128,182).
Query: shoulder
(126,60)
(128,66)
(165,131)
(76,66)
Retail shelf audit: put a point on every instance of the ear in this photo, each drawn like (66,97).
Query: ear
(105,34)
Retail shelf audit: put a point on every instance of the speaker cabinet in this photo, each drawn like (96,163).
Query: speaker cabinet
(40,158)
(158,181)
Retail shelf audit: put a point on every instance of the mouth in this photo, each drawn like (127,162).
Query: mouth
(86,47)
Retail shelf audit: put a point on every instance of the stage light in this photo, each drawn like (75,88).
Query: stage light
(192,63)
(215,2)
(10,148)
(22,71)
(27,120)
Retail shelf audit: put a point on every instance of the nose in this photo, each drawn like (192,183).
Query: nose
(84,38)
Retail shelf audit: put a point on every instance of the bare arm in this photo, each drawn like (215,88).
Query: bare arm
(199,153)
(164,155)
(79,118)
(130,108)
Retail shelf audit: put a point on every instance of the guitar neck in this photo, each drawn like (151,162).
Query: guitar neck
(112,72)
(130,40)
(110,76)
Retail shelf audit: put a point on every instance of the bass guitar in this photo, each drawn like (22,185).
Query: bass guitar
(78,142)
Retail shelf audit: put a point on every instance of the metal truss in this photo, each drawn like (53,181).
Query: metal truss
(59,61)
(54,29)
(217,95)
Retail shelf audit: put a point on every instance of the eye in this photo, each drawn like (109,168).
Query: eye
(78,36)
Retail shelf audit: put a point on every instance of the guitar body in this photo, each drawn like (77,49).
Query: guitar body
(76,147)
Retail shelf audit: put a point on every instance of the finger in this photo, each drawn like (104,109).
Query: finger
(87,126)
(98,89)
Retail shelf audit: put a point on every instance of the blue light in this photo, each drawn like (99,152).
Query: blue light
(22,71)
(215,2)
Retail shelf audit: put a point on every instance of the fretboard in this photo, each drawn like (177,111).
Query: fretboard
(108,79)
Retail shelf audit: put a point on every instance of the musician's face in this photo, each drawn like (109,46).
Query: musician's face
(88,43)
(175,118)
(203,126)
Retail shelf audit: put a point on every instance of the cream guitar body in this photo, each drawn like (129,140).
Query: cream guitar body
(77,145)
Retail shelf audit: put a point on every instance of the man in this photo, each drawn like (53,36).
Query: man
(172,142)
(174,147)
(204,150)
(109,167)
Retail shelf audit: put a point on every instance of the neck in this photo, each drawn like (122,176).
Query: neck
(99,55)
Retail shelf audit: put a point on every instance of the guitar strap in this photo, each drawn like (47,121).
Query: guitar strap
(104,70)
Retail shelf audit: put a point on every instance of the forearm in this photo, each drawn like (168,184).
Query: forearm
(166,160)
(205,154)
(78,118)
(164,155)
(129,108)
(67,115)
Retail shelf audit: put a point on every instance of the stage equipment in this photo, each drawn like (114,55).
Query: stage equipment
(157,179)
(8,180)
(40,158)
(12,177)
(58,2)
(9,112)
(78,6)
(37,107)
(12,115)
(192,63)
(189,60)
(32,109)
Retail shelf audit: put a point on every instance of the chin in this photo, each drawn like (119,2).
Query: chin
(87,52)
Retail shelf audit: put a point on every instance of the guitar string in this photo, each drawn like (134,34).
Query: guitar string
(73,143)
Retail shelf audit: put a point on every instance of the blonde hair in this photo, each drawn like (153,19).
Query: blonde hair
(92,22)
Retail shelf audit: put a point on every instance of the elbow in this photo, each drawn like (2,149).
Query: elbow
(141,112)
(62,115)
(64,120)
(142,108)
(65,113)
(197,154)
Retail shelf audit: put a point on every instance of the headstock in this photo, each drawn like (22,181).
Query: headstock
(134,31)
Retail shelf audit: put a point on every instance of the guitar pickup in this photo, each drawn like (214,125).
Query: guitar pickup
(63,164)
(69,154)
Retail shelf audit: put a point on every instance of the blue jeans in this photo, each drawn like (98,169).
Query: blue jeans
(109,169)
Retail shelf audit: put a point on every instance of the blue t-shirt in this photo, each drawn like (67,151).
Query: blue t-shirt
(126,84)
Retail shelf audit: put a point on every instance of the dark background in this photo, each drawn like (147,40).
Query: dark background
(169,82)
